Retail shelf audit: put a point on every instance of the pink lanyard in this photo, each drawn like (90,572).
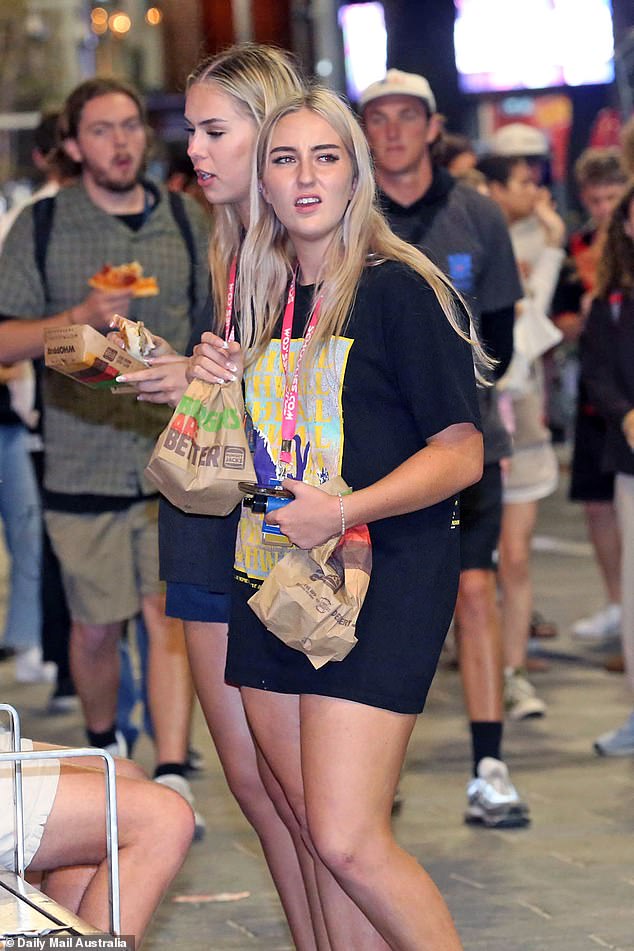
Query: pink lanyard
(231,286)
(291,390)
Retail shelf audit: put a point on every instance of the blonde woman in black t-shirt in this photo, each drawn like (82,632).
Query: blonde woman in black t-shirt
(386,398)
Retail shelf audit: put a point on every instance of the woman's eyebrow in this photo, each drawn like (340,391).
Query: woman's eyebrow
(313,148)
(205,121)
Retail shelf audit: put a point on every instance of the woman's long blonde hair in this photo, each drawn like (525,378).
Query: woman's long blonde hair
(257,78)
(363,237)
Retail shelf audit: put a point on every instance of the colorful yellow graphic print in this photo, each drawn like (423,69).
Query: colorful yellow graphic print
(318,441)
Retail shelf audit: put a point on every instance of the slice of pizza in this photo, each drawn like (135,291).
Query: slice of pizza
(137,340)
(125,277)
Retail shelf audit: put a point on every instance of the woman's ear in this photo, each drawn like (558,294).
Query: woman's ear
(353,188)
(262,190)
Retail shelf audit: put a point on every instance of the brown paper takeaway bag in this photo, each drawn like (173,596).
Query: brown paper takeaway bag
(311,600)
(203,453)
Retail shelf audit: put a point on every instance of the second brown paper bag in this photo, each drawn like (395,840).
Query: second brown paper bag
(311,599)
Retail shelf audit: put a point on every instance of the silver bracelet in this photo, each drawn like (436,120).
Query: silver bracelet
(342,513)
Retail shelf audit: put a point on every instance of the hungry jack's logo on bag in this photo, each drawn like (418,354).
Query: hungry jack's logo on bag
(191,417)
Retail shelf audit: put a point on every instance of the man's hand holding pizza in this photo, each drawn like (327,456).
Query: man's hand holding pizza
(112,289)
(98,307)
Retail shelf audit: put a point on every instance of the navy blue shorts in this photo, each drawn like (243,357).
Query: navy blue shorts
(194,602)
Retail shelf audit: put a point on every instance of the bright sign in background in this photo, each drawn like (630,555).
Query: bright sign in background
(532,44)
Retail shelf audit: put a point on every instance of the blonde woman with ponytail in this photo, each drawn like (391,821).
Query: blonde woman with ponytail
(386,397)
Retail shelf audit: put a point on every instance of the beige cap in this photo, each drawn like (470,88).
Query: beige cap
(398,83)
(518,139)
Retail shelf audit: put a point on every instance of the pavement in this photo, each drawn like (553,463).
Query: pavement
(566,883)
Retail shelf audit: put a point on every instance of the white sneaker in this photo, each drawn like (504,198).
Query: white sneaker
(602,626)
(619,742)
(493,800)
(31,669)
(181,786)
(520,699)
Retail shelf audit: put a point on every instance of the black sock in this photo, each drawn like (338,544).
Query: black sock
(179,768)
(102,739)
(486,740)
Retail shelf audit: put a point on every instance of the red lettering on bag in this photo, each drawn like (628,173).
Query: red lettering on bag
(190,427)
(178,422)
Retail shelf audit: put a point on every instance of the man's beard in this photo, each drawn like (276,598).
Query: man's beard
(116,185)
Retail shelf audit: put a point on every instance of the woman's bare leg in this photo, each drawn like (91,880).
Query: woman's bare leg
(352,756)
(155,830)
(274,719)
(170,692)
(224,712)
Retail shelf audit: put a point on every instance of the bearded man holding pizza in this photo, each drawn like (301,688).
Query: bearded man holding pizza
(101,512)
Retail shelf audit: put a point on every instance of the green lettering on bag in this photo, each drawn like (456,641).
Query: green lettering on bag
(211,420)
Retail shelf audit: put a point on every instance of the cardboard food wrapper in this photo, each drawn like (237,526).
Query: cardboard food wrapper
(311,600)
(85,355)
(203,453)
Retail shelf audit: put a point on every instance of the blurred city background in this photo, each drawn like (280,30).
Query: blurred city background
(566,66)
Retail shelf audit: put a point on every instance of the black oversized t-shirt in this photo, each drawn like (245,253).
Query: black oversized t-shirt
(398,375)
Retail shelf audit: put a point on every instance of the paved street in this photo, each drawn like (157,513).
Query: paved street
(564,884)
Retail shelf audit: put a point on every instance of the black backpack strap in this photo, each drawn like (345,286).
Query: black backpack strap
(179,213)
(43,214)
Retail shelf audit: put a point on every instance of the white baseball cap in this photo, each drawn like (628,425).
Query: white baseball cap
(518,139)
(398,83)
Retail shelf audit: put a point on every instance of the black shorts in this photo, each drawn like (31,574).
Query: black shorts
(481,519)
(588,481)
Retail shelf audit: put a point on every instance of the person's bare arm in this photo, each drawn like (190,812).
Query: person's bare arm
(24,339)
(451,461)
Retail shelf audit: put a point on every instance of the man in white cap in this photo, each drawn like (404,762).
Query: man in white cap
(465,234)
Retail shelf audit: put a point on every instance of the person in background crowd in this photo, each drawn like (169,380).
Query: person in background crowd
(235,89)
(387,400)
(101,513)
(466,236)
(521,140)
(607,370)
(58,171)
(600,181)
(533,470)
(22,524)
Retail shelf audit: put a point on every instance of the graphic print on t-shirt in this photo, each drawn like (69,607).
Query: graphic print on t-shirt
(318,443)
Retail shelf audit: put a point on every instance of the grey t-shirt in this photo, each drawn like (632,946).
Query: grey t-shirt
(96,442)
(465,234)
